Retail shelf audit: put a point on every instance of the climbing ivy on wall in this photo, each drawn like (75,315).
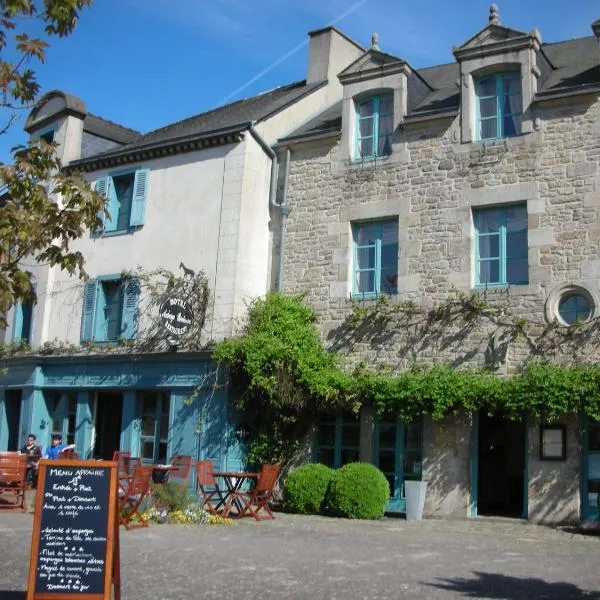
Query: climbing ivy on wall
(282,375)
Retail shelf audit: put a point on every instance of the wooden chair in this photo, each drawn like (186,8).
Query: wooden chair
(257,499)
(13,483)
(207,487)
(181,467)
(68,453)
(132,495)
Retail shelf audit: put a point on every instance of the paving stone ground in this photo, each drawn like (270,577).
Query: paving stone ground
(296,557)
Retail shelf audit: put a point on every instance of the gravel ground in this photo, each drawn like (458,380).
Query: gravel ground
(316,557)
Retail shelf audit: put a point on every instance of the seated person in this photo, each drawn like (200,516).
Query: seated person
(33,453)
(53,451)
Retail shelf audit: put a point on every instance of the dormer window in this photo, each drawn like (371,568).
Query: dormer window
(374,126)
(499,106)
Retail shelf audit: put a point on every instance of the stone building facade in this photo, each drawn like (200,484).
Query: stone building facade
(443,177)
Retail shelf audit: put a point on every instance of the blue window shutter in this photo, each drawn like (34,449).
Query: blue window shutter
(89,310)
(17,322)
(131,296)
(101,186)
(140,191)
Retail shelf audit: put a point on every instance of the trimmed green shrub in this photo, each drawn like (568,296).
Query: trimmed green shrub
(358,491)
(170,496)
(305,489)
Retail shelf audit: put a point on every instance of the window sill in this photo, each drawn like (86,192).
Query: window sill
(371,295)
(120,232)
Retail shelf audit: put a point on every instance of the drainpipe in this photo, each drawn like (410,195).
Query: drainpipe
(284,210)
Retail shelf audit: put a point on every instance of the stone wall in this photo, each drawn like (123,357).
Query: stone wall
(432,184)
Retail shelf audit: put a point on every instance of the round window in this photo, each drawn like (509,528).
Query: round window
(574,307)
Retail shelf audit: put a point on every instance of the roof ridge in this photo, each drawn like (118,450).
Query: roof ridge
(217,108)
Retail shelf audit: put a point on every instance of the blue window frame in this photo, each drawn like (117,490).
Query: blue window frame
(398,453)
(374,126)
(110,309)
(62,412)
(375,269)
(574,307)
(337,440)
(23,317)
(154,435)
(501,246)
(499,106)
(125,192)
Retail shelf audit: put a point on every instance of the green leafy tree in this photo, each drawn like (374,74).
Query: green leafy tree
(42,209)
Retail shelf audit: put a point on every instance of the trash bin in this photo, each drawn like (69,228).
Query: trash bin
(414,492)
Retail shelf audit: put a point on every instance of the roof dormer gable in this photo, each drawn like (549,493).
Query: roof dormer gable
(374,64)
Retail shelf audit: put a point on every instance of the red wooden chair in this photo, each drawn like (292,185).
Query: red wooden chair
(13,482)
(257,499)
(132,495)
(181,467)
(207,487)
(68,453)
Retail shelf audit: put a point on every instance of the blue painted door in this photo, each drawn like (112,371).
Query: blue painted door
(398,454)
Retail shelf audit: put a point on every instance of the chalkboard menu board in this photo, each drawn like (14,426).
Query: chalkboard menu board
(75,530)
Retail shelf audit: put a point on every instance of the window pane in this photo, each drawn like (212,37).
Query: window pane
(389,258)
(574,307)
(366,235)
(365,147)
(412,462)
(389,233)
(350,435)
(489,271)
(112,308)
(162,453)
(349,456)
(412,435)
(148,450)
(511,84)
(326,456)
(387,460)
(516,218)
(124,192)
(365,128)
(489,246)
(366,282)
(326,434)
(149,404)
(489,129)
(164,427)
(511,104)
(488,221)
(516,270)
(594,438)
(389,281)
(487,87)
(165,404)
(386,105)
(512,126)
(384,145)
(366,109)
(516,244)
(148,425)
(487,107)
(366,258)
(387,435)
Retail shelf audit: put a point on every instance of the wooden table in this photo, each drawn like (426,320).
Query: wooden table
(233,483)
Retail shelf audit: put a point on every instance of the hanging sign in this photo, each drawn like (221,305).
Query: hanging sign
(75,545)
(176,315)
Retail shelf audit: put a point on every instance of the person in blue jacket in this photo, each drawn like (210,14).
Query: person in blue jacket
(55,448)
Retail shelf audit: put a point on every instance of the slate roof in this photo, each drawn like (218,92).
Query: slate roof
(225,119)
(577,67)
(108,129)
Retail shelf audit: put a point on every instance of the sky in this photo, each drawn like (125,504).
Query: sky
(148,63)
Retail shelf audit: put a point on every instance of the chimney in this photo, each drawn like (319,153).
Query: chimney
(330,51)
(596,29)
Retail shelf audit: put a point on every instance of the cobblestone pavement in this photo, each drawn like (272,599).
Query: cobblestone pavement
(298,557)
